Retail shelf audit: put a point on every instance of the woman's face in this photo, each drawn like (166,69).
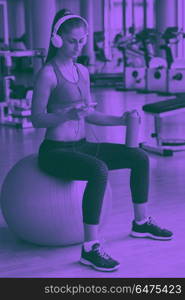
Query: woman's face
(73,42)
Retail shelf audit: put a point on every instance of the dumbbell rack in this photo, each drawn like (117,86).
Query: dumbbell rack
(16,112)
(19,116)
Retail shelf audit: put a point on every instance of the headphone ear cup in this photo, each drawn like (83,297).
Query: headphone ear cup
(85,40)
(57,41)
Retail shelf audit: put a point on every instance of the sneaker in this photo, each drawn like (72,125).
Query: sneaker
(151,230)
(98,259)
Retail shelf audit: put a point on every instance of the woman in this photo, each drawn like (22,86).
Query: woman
(62,104)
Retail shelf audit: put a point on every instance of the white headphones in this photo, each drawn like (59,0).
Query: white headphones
(56,39)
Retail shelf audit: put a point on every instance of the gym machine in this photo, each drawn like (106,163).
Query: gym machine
(163,146)
(137,44)
(100,77)
(137,49)
(167,76)
(15,100)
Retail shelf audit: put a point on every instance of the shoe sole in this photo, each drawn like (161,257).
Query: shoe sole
(88,263)
(149,235)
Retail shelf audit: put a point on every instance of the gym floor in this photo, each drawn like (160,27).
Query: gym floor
(138,257)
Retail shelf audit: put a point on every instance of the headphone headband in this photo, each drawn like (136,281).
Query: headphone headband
(65,18)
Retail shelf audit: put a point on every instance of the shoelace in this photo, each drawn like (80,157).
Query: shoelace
(153,223)
(102,253)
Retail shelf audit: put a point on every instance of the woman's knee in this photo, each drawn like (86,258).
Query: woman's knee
(141,158)
(98,170)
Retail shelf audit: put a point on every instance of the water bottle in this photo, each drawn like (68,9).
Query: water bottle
(132,131)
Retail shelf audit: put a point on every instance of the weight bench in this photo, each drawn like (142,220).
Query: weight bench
(164,147)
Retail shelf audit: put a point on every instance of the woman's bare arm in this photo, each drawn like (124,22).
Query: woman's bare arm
(44,83)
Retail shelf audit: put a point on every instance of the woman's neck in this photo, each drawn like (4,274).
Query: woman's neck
(63,60)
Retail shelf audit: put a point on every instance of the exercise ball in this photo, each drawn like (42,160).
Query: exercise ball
(43,209)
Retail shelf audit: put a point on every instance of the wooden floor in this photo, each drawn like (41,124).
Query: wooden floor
(138,257)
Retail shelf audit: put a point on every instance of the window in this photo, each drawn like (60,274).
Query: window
(181,25)
(138,13)
(4,33)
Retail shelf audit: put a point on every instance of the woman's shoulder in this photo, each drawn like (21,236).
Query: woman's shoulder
(47,73)
(46,70)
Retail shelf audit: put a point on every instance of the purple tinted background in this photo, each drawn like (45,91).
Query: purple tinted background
(167,174)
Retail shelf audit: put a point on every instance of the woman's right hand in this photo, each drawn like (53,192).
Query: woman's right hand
(77,112)
(72,113)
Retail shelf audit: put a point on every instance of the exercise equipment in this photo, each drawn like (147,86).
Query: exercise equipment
(43,209)
(14,99)
(164,147)
(99,40)
(17,112)
(106,79)
(5,87)
(99,75)
(17,43)
(9,54)
(4,112)
(171,36)
(176,77)
(133,63)
(137,49)
(167,77)
(104,73)
(152,73)
(14,95)
(20,111)
(137,45)
(157,75)
(46,210)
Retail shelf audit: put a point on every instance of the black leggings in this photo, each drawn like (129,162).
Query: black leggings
(88,161)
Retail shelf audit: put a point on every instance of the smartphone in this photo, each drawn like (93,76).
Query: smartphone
(92,104)
(85,106)
(80,106)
